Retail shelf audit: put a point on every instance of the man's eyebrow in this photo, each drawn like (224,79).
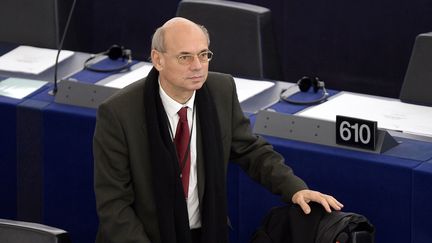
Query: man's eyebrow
(190,53)
(185,53)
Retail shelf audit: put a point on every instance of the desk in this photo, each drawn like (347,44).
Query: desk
(63,191)
(379,186)
(10,122)
(30,143)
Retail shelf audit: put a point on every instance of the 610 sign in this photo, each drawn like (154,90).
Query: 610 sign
(356,132)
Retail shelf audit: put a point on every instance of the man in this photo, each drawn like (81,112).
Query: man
(150,187)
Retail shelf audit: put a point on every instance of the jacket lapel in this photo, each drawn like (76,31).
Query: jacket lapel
(200,163)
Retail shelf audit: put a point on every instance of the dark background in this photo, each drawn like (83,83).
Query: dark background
(361,46)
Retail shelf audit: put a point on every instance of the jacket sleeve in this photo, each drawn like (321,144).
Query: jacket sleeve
(113,183)
(258,159)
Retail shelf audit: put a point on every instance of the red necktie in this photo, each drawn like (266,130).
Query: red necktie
(182,140)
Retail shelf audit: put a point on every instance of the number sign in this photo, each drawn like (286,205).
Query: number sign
(356,132)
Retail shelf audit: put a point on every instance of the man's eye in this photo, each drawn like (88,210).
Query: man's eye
(185,57)
(182,58)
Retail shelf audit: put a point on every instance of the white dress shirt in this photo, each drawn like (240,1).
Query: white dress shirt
(171,108)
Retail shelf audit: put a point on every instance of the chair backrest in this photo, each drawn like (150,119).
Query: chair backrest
(36,23)
(12,231)
(29,22)
(417,85)
(241,37)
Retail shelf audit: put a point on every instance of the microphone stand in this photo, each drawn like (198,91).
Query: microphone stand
(60,45)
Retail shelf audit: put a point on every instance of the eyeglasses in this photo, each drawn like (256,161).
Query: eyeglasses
(203,57)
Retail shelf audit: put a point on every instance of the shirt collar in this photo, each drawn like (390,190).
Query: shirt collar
(171,106)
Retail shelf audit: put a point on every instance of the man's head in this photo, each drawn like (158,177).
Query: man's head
(180,53)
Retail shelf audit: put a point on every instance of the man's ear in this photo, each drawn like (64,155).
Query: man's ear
(157,60)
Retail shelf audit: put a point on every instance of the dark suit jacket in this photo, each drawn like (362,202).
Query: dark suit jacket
(123,183)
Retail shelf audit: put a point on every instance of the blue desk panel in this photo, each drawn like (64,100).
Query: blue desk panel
(9,152)
(67,197)
(421,206)
(8,179)
(69,201)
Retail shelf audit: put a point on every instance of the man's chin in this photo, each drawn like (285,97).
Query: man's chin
(197,85)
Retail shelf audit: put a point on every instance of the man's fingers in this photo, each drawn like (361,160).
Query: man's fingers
(323,201)
(335,204)
(303,197)
(305,207)
(299,199)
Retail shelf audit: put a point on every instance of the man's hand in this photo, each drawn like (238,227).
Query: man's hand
(303,197)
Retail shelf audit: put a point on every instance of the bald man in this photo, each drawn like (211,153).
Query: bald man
(150,187)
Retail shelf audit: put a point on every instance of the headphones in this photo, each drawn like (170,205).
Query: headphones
(114,52)
(304,84)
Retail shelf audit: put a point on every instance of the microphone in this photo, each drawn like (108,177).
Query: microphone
(60,45)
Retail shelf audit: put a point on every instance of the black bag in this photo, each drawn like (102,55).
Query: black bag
(345,228)
(288,224)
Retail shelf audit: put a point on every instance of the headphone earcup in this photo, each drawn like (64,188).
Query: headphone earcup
(115,52)
(315,84)
(304,84)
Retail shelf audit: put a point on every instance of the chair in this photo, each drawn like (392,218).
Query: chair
(12,231)
(241,37)
(418,77)
(34,23)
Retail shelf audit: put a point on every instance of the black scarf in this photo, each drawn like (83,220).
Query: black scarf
(167,186)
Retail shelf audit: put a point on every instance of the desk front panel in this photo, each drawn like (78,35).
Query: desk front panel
(69,200)
(422,204)
(61,192)
(8,170)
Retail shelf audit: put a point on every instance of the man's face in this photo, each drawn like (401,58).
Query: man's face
(180,68)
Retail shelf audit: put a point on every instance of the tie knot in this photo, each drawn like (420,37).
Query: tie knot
(183,114)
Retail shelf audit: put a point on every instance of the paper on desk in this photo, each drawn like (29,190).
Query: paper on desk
(19,88)
(33,60)
(247,88)
(389,113)
(130,77)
